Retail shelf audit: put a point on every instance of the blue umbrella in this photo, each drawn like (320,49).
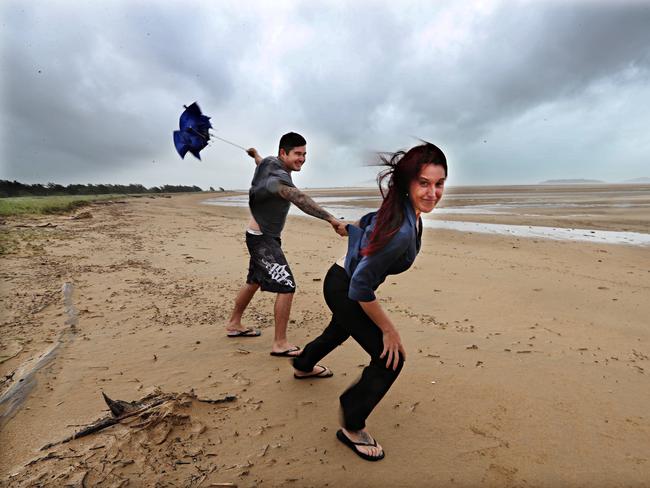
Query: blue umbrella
(194,133)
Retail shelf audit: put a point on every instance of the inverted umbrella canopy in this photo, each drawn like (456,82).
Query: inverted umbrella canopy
(193,135)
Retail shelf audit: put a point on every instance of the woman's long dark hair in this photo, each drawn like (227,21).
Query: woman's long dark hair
(403,168)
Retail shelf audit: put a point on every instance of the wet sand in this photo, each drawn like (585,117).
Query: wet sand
(527,359)
(622,208)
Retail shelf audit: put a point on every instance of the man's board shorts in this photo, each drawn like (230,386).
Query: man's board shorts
(267,266)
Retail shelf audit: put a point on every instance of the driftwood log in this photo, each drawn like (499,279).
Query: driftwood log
(121,410)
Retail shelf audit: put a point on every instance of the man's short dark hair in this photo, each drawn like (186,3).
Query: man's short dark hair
(290,141)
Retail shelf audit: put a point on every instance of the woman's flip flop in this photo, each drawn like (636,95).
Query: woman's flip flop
(353,445)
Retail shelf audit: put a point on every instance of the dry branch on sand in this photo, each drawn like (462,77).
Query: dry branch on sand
(121,410)
(161,443)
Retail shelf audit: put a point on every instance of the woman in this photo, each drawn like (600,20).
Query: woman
(382,243)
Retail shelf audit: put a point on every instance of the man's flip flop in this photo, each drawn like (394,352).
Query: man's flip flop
(324,373)
(353,445)
(287,353)
(245,333)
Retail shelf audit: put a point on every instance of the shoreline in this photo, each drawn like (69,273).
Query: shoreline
(604,217)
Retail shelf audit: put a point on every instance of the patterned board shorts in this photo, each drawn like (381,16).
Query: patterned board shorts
(268,267)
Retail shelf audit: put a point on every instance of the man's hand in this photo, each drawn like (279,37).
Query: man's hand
(252,152)
(339,227)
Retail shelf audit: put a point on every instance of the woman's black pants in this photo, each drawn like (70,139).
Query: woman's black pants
(349,319)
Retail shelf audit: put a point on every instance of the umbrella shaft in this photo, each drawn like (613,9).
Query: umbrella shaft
(231,143)
(217,137)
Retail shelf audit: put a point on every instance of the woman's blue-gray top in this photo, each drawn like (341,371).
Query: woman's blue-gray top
(368,272)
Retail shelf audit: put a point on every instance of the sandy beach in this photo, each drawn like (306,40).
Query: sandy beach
(528,360)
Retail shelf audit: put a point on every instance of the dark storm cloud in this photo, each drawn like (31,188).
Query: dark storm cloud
(93,90)
(519,56)
(89,88)
(531,56)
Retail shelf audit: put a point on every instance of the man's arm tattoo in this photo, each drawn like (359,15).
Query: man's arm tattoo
(304,202)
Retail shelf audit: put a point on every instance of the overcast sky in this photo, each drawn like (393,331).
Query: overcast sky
(513,92)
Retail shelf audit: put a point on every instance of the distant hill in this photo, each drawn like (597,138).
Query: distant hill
(633,181)
(638,180)
(570,182)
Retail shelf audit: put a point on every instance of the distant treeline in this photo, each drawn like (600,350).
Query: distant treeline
(17,189)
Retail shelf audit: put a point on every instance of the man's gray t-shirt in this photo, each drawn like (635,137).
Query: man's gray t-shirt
(268,208)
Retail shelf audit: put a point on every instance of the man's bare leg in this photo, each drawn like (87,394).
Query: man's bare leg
(244,297)
(282,310)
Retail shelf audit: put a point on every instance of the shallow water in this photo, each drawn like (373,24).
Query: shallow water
(526,204)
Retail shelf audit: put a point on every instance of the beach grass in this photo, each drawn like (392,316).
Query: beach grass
(47,205)
(12,239)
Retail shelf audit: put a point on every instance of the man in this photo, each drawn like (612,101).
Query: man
(271,194)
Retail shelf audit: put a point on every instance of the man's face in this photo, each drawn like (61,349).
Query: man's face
(294,160)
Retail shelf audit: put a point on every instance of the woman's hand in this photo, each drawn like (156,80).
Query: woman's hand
(392,348)
(392,342)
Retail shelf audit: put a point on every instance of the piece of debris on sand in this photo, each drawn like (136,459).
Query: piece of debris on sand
(155,441)
(82,215)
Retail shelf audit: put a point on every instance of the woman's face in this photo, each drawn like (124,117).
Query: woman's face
(426,190)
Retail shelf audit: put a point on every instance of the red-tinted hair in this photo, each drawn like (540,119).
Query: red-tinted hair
(403,168)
